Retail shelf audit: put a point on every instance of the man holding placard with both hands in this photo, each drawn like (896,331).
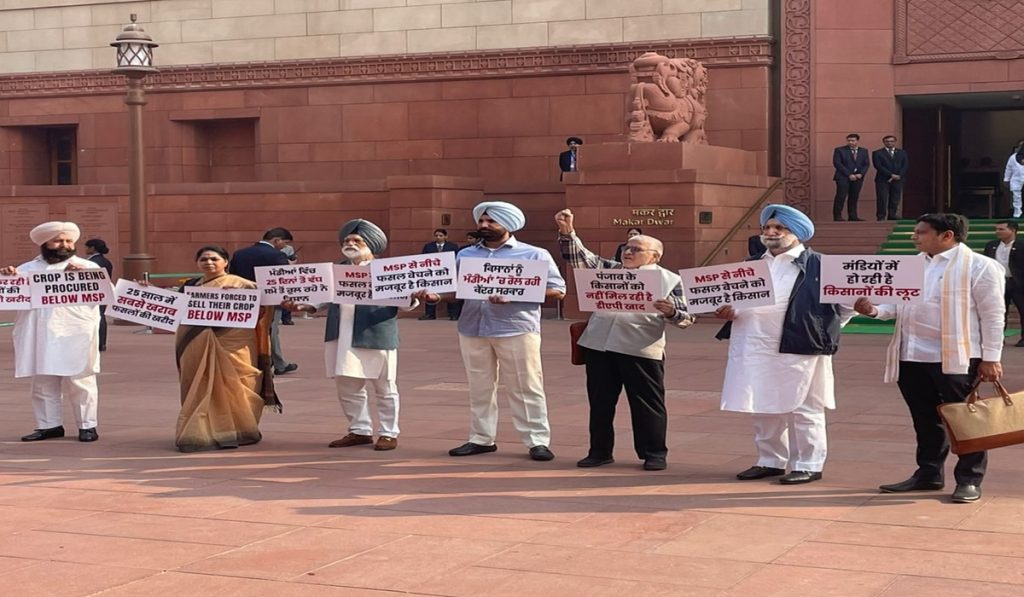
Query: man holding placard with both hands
(500,338)
(58,347)
(626,350)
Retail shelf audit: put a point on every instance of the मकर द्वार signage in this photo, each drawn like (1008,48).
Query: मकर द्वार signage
(520,280)
(881,278)
(307,284)
(221,307)
(147,305)
(744,284)
(618,290)
(70,288)
(352,287)
(14,293)
(399,277)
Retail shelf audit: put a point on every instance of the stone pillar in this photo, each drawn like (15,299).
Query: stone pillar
(684,194)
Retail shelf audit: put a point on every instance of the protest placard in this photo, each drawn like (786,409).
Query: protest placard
(147,305)
(521,280)
(14,293)
(221,307)
(623,290)
(352,287)
(70,288)
(398,277)
(308,284)
(881,278)
(745,284)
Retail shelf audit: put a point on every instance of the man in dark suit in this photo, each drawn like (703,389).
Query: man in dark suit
(890,164)
(244,263)
(96,250)
(1008,250)
(851,164)
(440,245)
(567,159)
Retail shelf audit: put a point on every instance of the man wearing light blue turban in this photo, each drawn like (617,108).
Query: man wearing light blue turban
(500,339)
(780,356)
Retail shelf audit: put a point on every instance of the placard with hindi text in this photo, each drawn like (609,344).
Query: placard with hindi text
(741,285)
(884,279)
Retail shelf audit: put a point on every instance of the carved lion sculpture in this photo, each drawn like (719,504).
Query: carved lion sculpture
(669,102)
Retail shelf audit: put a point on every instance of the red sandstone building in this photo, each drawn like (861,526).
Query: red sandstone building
(406,112)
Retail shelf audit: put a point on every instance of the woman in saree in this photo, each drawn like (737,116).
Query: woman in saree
(226,374)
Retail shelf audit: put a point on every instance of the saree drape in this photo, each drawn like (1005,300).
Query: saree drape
(226,379)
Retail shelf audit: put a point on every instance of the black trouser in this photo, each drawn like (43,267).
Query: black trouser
(846,187)
(103,327)
(286,316)
(431,310)
(1015,296)
(644,380)
(887,199)
(925,387)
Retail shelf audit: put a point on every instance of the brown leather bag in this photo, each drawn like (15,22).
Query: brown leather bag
(575,331)
(984,423)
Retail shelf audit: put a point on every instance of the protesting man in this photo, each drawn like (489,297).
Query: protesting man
(780,355)
(500,339)
(58,347)
(943,345)
(626,349)
(362,347)
(244,263)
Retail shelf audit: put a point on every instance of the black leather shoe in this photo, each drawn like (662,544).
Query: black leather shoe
(541,453)
(798,477)
(966,494)
(469,449)
(912,484)
(427,317)
(760,472)
(287,369)
(88,435)
(655,464)
(1020,342)
(40,434)
(837,219)
(592,461)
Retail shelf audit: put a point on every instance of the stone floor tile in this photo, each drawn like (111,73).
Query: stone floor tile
(915,562)
(422,559)
(68,579)
(742,537)
(919,508)
(292,554)
(937,539)
(999,514)
(169,528)
(776,580)
(916,586)
(384,520)
(107,551)
(641,531)
(186,583)
(475,581)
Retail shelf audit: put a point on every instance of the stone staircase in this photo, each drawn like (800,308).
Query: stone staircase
(850,238)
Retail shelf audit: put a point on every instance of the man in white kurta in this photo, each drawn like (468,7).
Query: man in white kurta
(360,356)
(58,347)
(786,393)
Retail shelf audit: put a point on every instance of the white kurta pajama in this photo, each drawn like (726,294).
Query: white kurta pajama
(353,369)
(786,393)
(59,349)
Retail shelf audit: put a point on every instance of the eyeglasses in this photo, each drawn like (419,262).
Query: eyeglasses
(629,249)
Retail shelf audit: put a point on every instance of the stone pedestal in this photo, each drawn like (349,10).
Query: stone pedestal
(686,195)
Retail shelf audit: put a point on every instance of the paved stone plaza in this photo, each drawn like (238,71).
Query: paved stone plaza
(129,515)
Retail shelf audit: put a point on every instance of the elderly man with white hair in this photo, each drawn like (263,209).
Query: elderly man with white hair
(58,347)
(500,339)
(780,355)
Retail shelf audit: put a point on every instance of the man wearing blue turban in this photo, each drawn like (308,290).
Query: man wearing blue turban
(780,356)
(500,339)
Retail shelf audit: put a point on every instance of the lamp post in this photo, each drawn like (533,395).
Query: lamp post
(135,61)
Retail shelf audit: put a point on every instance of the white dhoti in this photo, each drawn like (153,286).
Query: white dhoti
(787,393)
(354,371)
(515,360)
(59,349)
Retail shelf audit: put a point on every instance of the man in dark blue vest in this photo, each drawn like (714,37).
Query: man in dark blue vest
(361,348)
